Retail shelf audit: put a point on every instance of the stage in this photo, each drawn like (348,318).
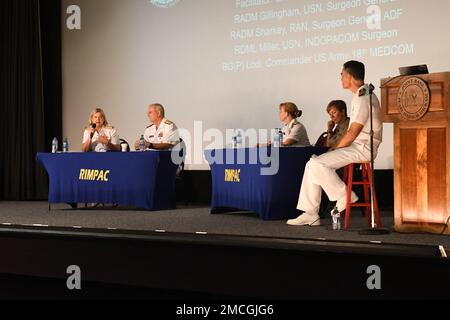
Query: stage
(222,79)
(197,219)
(192,251)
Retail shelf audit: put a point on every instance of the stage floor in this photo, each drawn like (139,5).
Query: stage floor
(194,219)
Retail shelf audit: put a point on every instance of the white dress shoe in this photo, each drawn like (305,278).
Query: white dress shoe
(305,220)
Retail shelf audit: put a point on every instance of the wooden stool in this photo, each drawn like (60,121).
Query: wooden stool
(366,183)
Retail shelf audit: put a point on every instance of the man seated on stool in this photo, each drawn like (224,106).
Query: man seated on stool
(354,147)
(162,134)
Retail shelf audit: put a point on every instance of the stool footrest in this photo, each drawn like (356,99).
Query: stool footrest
(360,205)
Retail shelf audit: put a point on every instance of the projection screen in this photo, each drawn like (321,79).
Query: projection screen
(228,64)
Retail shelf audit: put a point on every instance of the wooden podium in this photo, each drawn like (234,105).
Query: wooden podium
(419,107)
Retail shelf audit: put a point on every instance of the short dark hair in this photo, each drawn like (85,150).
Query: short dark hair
(356,69)
(338,104)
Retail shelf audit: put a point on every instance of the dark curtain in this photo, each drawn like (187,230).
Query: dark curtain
(30,93)
(50,14)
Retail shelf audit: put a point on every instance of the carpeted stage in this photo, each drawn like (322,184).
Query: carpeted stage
(199,254)
(198,219)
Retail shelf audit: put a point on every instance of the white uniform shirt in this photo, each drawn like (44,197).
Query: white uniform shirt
(295,130)
(107,131)
(166,133)
(360,113)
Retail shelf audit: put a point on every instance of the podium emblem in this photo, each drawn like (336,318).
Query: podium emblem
(414,98)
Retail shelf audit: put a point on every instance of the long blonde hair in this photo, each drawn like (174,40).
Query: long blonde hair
(102,113)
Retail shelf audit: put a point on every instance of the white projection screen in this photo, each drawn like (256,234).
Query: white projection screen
(229,63)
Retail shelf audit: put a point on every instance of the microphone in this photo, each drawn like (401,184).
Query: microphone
(371,88)
(93,126)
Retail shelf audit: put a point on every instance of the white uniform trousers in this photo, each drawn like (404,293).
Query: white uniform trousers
(320,173)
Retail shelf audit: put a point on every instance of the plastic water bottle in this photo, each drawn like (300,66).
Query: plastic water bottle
(55,145)
(276,137)
(238,139)
(142,143)
(65,145)
(280,137)
(336,217)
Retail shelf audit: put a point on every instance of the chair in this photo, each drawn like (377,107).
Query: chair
(181,148)
(180,174)
(322,140)
(365,182)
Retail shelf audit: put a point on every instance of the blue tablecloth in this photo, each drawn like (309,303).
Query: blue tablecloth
(140,179)
(243,187)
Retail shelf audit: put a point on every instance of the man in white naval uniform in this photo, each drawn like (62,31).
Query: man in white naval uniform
(320,172)
(162,134)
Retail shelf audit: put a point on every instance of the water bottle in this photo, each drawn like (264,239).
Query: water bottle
(276,138)
(55,145)
(142,143)
(65,145)
(280,137)
(336,217)
(238,139)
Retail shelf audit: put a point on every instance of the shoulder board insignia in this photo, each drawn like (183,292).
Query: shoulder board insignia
(109,127)
(168,122)
(150,126)
(293,124)
(362,92)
